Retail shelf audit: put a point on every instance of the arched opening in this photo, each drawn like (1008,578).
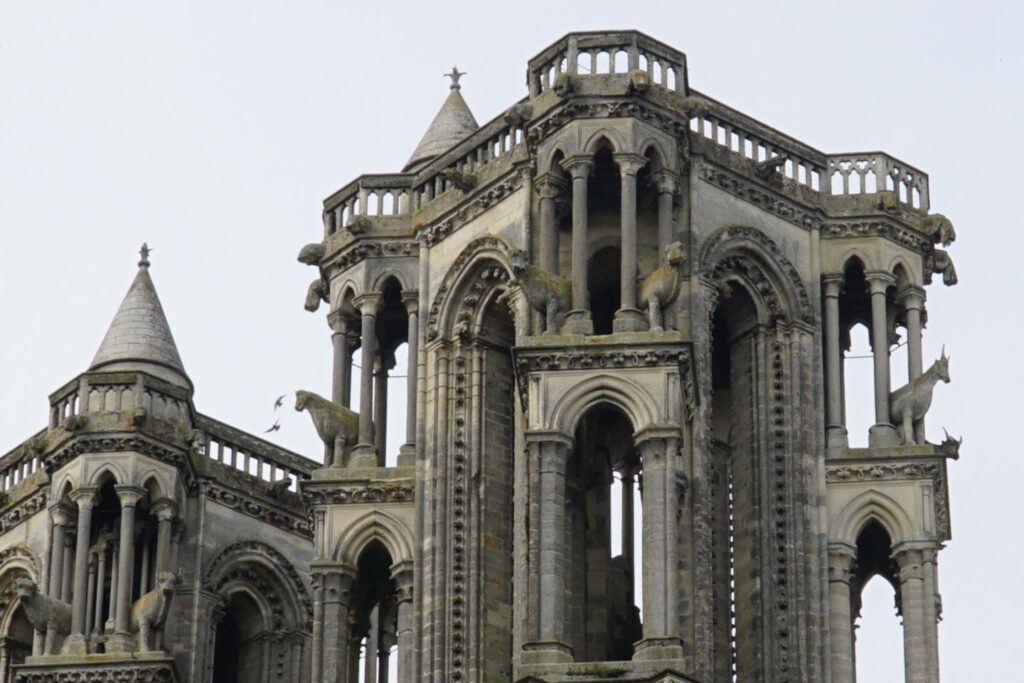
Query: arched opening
(736,545)
(373,617)
(604,235)
(237,646)
(18,634)
(604,620)
(603,277)
(875,601)
(392,330)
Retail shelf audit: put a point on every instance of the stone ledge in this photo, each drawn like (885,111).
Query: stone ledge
(139,668)
(668,671)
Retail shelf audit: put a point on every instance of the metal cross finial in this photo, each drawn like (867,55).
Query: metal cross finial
(144,252)
(455,75)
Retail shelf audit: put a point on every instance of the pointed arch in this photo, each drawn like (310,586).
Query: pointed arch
(484,260)
(632,399)
(604,134)
(871,506)
(112,470)
(376,525)
(396,275)
(345,292)
(854,257)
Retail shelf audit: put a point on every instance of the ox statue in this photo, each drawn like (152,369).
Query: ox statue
(544,291)
(42,610)
(150,610)
(337,426)
(662,286)
(910,402)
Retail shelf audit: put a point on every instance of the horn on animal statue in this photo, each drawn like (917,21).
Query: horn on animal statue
(943,351)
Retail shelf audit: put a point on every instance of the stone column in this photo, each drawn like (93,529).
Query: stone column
(628,318)
(316,646)
(112,598)
(918,649)
(364,453)
(628,541)
(913,301)
(578,320)
(383,364)
(882,433)
(659,447)
(101,578)
(372,647)
(68,571)
(548,186)
(337,581)
(549,453)
(932,608)
(61,519)
(122,640)
(340,378)
(90,603)
(835,421)
(402,575)
(841,560)
(667,185)
(166,510)
(75,644)
(407,453)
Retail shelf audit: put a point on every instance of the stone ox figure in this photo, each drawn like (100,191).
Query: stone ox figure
(662,286)
(42,610)
(544,291)
(910,402)
(149,611)
(337,426)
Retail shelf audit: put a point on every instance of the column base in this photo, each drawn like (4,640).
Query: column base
(883,435)
(407,455)
(546,652)
(363,456)
(669,647)
(836,438)
(121,642)
(75,644)
(629,320)
(578,321)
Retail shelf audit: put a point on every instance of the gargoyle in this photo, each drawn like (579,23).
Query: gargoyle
(150,610)
(544,291)
(662,286)
(940,228)
(139,415)
(462,181)
(337,426)
(565,85)
(911,401)
(888,201)
(74,423)
(951,446)
(277,489)
(639,81)
(767,169)
(360,225)
(943,263)
(518,114)
(316,293)
(312,253)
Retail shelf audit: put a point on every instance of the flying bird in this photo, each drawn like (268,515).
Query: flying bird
(274,427)
(279,402)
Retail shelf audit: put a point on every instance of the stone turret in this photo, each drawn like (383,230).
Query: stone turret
(453,123)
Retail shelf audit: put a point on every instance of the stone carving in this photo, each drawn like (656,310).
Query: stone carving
(23,508)
(400,491)
(150,610)
(362,250)
(42,610)
(316,293)
(518,114)
(565,85)
(312,254)
(360,225)
(548,293)
(462,181)
(482,201)
(942,263)
(951,446)
(888,201)
(662,286)
(336,425)
(911,401)
(139,415)
(292,521)
(277,489)
(639,81)
(758,195)
(74,423)
(769,168)
(940,228)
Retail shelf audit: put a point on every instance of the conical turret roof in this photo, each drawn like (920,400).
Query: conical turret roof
(451,125)
(139,338)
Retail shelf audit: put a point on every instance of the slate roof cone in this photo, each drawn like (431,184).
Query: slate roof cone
(451,125)
(139,338)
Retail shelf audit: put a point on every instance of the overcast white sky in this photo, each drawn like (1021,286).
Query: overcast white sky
(214,130)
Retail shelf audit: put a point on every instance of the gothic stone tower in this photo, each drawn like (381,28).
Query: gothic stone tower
(622,286)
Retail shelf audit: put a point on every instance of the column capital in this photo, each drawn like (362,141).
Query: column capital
(841,561)
(411,301)
(339,322)
(129,496)
(62,514)
(912,297)
(660,431)
(548,436)
(402,575)
(665,182)
(165,509)
(833,283)
(578,165)
(369,303)
(629,163)
(549,185)
(84,496)
(879,281)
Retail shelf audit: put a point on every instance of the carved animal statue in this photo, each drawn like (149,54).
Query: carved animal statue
(149,611)
(42,610)
(544,291)
(911,401)
(518,114)
(336,425)
(662,286)
(462,181)
(360,225)
(889,201)
(278,488)
(316,293)
(639,81)
(951,446)
(770,169)
(940,228)
(565,85)
(942,263)
(312,253)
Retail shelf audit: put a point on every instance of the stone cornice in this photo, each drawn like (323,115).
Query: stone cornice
(81,445)
(370,247)
(358,492)
(23,509)
(762,196)
(478,202)
(877,226)
(276,515)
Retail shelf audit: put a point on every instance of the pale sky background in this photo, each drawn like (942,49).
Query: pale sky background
(213,131)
